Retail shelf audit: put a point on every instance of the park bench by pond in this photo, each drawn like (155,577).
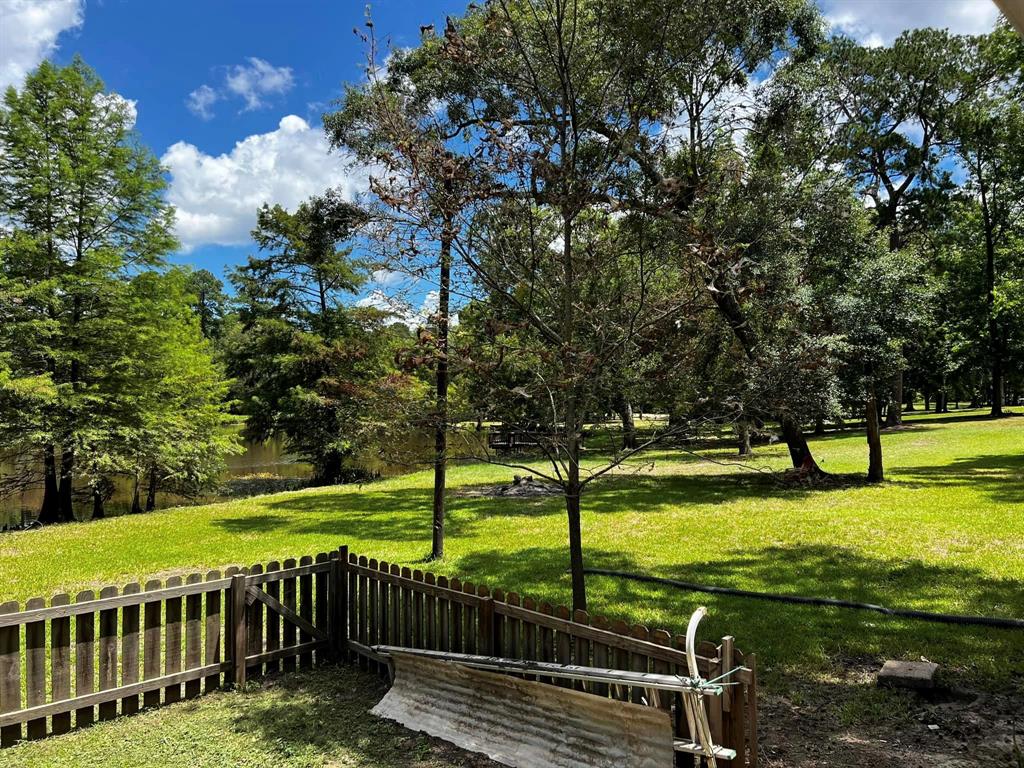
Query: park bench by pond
(133,647)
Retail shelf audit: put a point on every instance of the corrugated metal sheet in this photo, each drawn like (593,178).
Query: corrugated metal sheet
(522,723)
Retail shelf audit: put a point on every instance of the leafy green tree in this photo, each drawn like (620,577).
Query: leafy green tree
(210,303)
(308,366)
(987,134)
(82,207)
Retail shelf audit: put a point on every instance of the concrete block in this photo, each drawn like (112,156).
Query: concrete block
(914,675)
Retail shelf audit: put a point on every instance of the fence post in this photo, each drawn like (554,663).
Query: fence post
(239,629)
(485,628)
(339,604)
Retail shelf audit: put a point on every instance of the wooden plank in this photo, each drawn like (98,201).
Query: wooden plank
(193,636)
(353,607)
(530,652)
(212,640)
(443,616)
(601,652)
(455,617)
(639,663)
(389,578)
(395,622)
(563,644)
(364,609)
(255,621)
(682,727)
(130,648)
(85,679)
(407,621)
(660,666)
(35,669)
(88,701)
(289,599)
(612,639)
(581,647)
(430,634)
(547,639)
(60,664)
(469,620)
(239,632)
(151,637)
(514,647)
(108,654)
(715,707)
(418,627)
(60,611)
(289,573)
(752,747)
(172,641)
(322,606)
(288,615)
(305,610)
(285,653)
(498,624)
(484,642)
(273,630)
(10,673)
(620,657)
(373,587)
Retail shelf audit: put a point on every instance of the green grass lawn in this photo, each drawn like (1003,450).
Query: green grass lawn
(944,533)
(303,720)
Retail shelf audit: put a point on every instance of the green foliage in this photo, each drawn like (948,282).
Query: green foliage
(100,350)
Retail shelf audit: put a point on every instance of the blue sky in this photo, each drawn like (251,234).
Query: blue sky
(229,93)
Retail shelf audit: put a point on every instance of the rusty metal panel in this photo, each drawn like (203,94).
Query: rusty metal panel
(521,723)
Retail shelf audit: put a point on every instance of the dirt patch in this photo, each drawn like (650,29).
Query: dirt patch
(850,723)
(520,488)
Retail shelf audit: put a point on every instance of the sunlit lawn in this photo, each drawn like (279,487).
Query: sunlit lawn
(944,533)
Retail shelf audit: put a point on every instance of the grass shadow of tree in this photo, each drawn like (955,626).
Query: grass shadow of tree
(1000,476)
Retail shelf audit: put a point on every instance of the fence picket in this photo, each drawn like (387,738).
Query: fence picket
(581,648)
(469,620)
(290,600)
(172,641)
(364,611)
(418,626)
(214,632)
(443,617)
(35,669)
(306,610)
(455,617)
(407,619)
(256,627)
(10,674)
(601,653)
(60,663)
(130,649)
(152,616)
(321,603)
(563,646)
(108,654)
(395,620)
(273,627)
(193,636)
(85,660)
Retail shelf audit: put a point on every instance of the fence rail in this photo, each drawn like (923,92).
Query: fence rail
(143,646)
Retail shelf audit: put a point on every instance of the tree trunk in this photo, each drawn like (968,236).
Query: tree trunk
(49,511)
(908,400)
(743,433)
(927,400)
(875,471)
(625,411)
(799,451)
(136,506)
(995,343)
(65,498)
(819,425)
(441,427)
(151,492)
(98,512)
(894,417)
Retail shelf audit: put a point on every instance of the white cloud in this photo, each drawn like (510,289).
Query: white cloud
(217,196)
(402,310)
(879,22)
(116,101)
(387,278)
(200,102)
(28,34)
(254,82)
(258,79)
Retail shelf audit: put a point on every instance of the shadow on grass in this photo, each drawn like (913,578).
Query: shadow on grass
(794,637)
(325,714)
(1000,476)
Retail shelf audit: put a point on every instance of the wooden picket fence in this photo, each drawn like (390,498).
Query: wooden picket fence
(252,621)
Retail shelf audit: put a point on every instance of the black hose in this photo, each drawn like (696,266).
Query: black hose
(942,618)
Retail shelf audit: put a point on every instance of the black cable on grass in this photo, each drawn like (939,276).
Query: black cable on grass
(942,618)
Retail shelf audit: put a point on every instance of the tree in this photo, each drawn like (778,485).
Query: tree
(308,367)
(210,302)
(82,206)
(987,133)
